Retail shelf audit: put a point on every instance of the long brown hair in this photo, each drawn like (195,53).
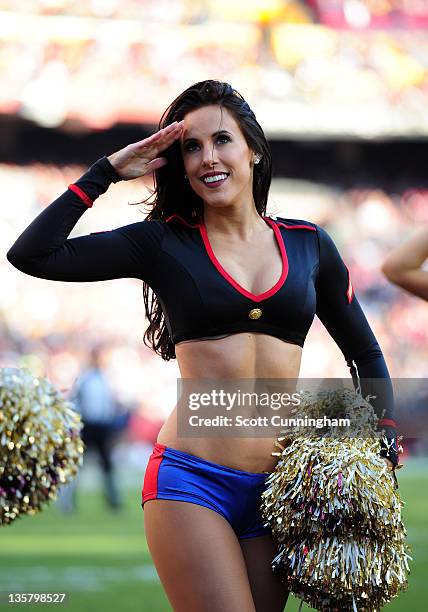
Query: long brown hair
(173,194)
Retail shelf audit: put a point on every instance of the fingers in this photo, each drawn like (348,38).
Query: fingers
(165,135)
(389,464)
(170,136)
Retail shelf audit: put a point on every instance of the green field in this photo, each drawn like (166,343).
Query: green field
(102,562)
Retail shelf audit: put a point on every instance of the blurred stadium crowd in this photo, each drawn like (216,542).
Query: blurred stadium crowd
(315,67)
(183,11)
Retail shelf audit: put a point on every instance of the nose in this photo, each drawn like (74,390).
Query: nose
(208,156)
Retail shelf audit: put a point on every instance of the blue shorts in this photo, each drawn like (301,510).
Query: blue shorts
(236,495)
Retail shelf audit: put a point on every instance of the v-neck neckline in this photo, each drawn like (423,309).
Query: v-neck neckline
(261,296)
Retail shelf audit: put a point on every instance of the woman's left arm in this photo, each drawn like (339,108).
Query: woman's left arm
(341,314)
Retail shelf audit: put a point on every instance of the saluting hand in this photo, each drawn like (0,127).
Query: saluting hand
(140,158)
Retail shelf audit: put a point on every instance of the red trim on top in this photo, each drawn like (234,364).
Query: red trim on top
(387,423)
(82,195)
(309,227)
(237,286)
(350,289)
(150,486)
(182,220)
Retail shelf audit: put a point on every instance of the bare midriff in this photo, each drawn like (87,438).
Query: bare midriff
(237,356)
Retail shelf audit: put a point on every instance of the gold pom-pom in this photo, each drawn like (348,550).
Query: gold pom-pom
(40,444)
(335,511)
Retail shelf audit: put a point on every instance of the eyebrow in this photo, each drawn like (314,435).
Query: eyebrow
(212,135)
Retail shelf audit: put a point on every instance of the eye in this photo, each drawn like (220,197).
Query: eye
(192,144)
(223,137)
(189,146)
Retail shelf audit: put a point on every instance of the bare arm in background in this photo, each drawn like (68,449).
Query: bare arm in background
(403,266)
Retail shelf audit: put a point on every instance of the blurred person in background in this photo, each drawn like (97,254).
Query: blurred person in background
(201,496)
(403,266)
(98,406)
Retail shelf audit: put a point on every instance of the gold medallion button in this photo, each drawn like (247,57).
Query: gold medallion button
(255,313)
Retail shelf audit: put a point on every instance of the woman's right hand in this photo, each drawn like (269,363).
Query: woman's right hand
(140,158)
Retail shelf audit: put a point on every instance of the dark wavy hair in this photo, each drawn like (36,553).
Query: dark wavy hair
(173,195)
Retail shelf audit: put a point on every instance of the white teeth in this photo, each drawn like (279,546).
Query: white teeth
(213,179)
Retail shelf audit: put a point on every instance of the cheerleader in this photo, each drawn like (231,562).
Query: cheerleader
(229,291)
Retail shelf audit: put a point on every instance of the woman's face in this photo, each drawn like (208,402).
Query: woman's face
(212,144)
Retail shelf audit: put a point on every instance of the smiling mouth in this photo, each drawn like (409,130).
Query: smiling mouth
(215,181)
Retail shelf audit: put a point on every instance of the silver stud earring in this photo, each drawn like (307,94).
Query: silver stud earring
(257,159)
(185,176)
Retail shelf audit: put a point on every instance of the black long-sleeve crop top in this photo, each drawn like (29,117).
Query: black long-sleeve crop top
(199,298)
